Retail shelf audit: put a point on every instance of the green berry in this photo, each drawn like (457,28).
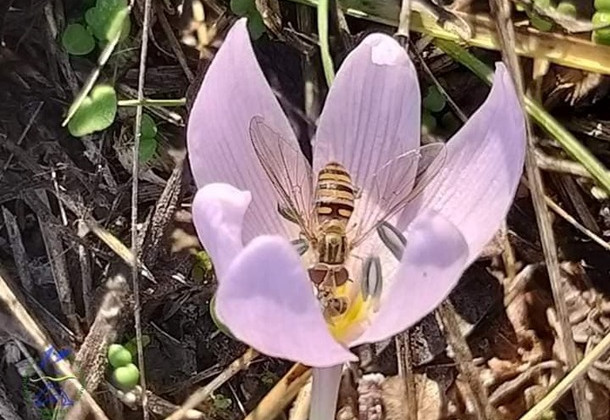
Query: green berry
(434,101)
(126,376)
(450,122)
(601,36)
(602,5)
(118,355)
(567,8)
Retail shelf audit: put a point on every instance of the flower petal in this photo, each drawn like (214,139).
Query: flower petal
(433,261)
(372,112)
(218,215)
(266,300)
(484,164)
(234,90)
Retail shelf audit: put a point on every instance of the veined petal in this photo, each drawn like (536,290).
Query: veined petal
(484,163)
(233,91)
(218,215)
(372,112)
(266,300)
(433,261)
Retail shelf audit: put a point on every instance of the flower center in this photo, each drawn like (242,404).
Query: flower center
(342,326)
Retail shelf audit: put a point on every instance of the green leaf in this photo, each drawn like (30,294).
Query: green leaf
(434,100)
(222,327)
(242,7)
(96,113)
(203,266)
(77,40)
(428,122)
(132,345)
(256,26)
(567,8)
(107,18)
(149,128)
(148,147)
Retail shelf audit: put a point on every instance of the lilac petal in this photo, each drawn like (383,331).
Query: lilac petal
(324,392)
(433,261)
(233,91)
(484,165)
(372,112)
(218,215)
(266,300)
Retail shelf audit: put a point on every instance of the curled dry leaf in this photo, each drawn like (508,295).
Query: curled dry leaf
(431,400)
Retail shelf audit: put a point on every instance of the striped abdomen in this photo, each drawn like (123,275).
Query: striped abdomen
(334,199)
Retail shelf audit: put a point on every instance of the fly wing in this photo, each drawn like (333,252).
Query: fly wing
(395,185)
(289,172)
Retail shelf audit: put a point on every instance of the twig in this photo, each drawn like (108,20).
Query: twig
(152,102)
(501,9)
(570,379)
(404,21)
(41,342)
(202,394)
(22,136)
(135,243)
(173,42)
(282,393)
(327,61)
(463,357)
(19,254)
(405,370)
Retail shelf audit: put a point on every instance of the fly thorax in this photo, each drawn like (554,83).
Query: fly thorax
(332,247)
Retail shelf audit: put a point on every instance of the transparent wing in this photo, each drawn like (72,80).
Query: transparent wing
(289,172)
(395,185)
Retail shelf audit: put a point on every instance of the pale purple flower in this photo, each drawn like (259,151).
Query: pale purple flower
(371,115)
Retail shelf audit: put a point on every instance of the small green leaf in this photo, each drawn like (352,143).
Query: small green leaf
(148,147)
(434,100)
(450,122)
(221,402)
(567,8)
(107,18)
(77,40)
(132,345)
(202,267)
(149,128)
(242,7)
(96,113)
(256,26)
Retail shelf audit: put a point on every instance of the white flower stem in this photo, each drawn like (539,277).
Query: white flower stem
(325,388)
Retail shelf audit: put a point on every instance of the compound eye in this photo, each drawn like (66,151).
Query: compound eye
(317,276)
(341,277)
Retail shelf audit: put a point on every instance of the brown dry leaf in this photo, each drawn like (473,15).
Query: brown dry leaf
(562,84)
(430,398)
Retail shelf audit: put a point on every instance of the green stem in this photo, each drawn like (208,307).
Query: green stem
(152,102)
(327,61)
(537,112)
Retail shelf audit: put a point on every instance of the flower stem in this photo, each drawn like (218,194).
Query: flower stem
(152,102)
(536,111)
(327,61)
(324,392)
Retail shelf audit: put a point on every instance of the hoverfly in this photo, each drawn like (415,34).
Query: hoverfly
(323,209)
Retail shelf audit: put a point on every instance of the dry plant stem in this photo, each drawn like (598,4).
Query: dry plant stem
(41,342)
(300,408)
(173,42)
(570,379)
(282,393)
(571,220)
(22,136)
(310,72)
(59,267)
(135,172)
(60,53)
(202,394)
(405,370)
(553,164)
(501,9)
(404,20)
(463,357)
(19,254)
